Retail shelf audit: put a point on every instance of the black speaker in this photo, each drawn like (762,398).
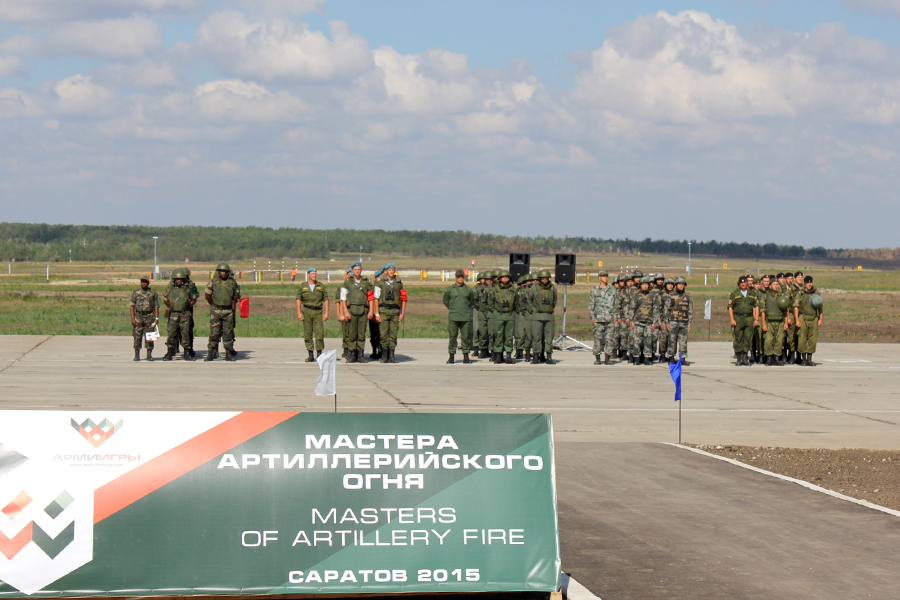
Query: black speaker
(519,264)
(565,269)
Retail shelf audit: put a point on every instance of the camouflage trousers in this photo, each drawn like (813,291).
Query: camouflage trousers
(662,339)
(642,339)
(523,332)
(482,335)
(808,335)
(313,329)
(179,325)
(221,327)
(677,339)
(774,338)
(604,338)
(144,324)
(623,334)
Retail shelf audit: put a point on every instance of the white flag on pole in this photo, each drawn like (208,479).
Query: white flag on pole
(707,310)
(327,383)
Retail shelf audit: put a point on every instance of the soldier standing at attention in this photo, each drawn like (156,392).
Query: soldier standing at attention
(312,311)
(459,300)
(657,289)
(144,309)
(743,314)
(523,325)
(503,306)
(808,314)
(374,328)
(389,308)
(621,340)
(222,294)
(641,317)
(542,304)
(179,298)
(772,312)
(678,315)
(357,296)
(343,317)
(603,308)
(481,331)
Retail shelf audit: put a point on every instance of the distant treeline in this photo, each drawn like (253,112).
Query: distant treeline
(40,242)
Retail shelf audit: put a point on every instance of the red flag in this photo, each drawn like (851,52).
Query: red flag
(244,305)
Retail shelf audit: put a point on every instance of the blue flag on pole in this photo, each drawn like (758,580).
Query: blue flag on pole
(675,372)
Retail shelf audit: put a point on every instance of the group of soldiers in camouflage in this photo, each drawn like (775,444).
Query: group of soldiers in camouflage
(775,320)
(640,318)
(222,293)
(360,303)
(510,317)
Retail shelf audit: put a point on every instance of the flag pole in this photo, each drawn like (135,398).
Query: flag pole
(335,403)
(679,421)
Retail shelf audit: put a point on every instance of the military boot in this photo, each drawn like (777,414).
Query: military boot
(550,360)
(536,358)
(170,353)
(466,359)
(509,358)
(211,354)
(485,353)
(186,355)
(606,360)
(598,360)
(310,358)
(393,358)
(452,359)
(351,356)
(519,354)
(318,353)
(228,355)
(150,355)
(137,354)
(386,356)
(528,354)
(361,356)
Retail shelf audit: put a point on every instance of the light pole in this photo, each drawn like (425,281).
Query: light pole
(689,258)
(155,268)
(70,255)
(360,255)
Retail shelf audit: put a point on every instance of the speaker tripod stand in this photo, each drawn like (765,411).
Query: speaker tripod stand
(565,342)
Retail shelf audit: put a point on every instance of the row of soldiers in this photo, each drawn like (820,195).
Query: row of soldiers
(776,319)
(222,293)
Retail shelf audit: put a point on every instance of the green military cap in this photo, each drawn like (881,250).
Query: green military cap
(602,274)
(147,279)
(460,273)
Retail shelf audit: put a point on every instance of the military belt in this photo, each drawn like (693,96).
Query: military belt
(312,307)
(749,314)
(228,307)
(144,312)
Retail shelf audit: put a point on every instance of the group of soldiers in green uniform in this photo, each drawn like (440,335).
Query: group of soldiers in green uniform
(222,293)
(512,317)
(640,318)
(378,305)
(775,320)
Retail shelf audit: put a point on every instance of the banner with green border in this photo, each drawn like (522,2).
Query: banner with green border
(173,503)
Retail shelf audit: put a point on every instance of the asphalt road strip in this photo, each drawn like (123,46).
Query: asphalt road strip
(572,590)
(805,484)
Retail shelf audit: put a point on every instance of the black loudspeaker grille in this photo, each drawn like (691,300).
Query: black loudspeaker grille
(519,264)
(565,269)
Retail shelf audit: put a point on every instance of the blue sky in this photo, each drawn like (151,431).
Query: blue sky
(732,120)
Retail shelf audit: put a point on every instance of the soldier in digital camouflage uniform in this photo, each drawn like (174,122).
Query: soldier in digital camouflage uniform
(603,310)
(312,311)
(630,291)
(622,330)
(657,289)
(678,314)
(523,324)
(180,296)
(144,308)
(642,316)
(389,309)
(222,294)
(662,334)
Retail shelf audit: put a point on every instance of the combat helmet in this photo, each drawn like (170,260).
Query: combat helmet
(816,301)
(543,273)
(670,280)
(502,273)
(637,273)
(223,267)
(784,302)
(647,279)
(680,279)
(179,273)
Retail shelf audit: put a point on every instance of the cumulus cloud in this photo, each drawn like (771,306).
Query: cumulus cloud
(15,104)
(24,11)
(879,7)
(78,94)
(115,39)
(10,65)
(281,50)
(283,7)
(143,75)
(691,68)
(237,100)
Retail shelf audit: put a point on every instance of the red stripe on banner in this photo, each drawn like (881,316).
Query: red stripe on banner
(11,546)
(167,467)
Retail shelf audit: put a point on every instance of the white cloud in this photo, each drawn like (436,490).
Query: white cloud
(10,65)
(78,94)
(879,7)
(115,39)
(15,104)
(281,50)
(143,75)
(283,7)
(23,11)
(241,101)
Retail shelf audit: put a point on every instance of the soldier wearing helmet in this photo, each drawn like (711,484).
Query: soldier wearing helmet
(642,317)
(480,335)
(222,294)
(679,313)
(657,289)
(773,308)
(808,314)
(502,304)
(179,298)
(542,305)
(523,319)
